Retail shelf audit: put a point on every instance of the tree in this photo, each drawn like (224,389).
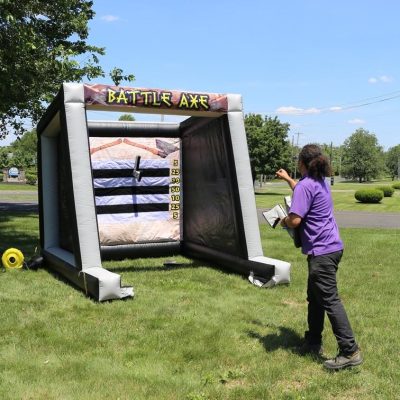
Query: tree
(334,154)
(26,143)
(393,161)
(5,157)
(268,143)
(40,44)
(21,153)
(362,156)
(126,117)
(24,150)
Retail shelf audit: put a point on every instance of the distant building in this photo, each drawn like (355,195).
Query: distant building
(14,174)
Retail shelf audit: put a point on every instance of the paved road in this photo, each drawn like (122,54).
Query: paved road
(18,207)
(29,204)
(345,219)
(359,219)
(362,219)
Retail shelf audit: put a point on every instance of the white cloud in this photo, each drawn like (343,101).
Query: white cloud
(290,110)
(381,79)
(356,121)
(110,18)
(312,110)
(335,108)
(386,79)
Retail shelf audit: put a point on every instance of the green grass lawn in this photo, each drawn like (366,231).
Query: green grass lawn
(342,194)
(17,186)
(18,192)
(195,332)
(19,197)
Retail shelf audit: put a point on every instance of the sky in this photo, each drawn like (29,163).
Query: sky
(325,67)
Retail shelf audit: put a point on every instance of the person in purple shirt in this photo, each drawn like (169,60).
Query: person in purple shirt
(311,212)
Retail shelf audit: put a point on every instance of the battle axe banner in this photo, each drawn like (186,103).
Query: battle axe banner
(101,96)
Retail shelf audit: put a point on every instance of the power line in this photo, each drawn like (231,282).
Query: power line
(347,106)
(371,102)
(374,97)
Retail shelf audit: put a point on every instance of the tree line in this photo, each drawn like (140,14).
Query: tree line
(360,157)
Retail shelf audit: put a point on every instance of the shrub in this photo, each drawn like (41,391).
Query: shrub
(396,185)
(369,195)
(387,190)
(31,179)
(31,176)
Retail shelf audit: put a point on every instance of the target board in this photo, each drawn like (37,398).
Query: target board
(137,188)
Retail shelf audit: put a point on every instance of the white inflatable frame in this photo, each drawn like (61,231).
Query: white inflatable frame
(66,198)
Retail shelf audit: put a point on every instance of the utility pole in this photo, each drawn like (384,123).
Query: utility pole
(330,165)
(398,167)
(295,161)
(297,142)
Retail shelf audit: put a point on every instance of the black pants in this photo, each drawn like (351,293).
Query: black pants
(323,297)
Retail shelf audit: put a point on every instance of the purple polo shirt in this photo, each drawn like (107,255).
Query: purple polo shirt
(312,202)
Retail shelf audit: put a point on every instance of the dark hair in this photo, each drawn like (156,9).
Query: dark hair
(318,166)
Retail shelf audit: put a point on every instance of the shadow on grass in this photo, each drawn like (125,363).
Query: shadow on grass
(284,338)
(61,278)
(19,236)
(158,268)
(269,194)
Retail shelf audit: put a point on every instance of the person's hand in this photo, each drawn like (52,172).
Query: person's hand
(282,174)
(283,222)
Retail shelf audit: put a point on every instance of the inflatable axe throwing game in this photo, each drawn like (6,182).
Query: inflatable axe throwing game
(113,190)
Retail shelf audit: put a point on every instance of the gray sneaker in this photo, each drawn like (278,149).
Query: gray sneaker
(343,361)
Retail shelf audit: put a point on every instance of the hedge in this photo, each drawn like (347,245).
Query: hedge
(369,195)
(387,190)
(396,185)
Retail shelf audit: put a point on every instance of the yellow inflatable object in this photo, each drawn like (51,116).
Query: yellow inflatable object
(12,259)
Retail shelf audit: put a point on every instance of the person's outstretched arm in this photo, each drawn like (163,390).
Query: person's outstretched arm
(282,174)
